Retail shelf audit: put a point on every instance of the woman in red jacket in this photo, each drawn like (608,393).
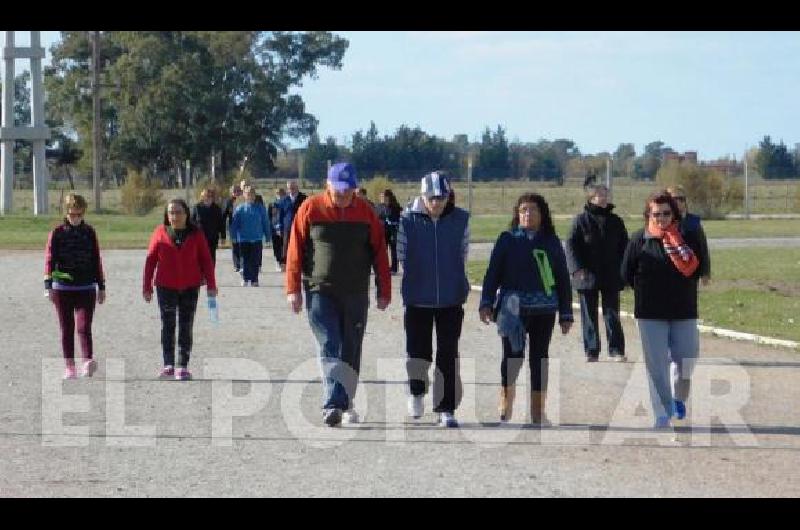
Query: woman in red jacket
(178,254)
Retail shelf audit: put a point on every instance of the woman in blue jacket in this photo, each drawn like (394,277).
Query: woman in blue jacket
(249,228)
(529,267)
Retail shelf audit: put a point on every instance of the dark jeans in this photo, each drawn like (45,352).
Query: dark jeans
(75,308)
(236,254)
(419,322)
(540,330)
(182,304)
(277,247)
(338,324)
(212,247)
(251,260)
(589,322)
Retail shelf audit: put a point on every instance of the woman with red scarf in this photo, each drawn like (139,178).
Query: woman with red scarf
(662,264)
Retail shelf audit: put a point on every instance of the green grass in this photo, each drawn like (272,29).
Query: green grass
(113,230)
(488,227)
(753,290)
(23,231)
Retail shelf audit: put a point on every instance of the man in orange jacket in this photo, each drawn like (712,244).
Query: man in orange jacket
(336,240)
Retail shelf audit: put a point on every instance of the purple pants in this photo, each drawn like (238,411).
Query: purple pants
(75,309)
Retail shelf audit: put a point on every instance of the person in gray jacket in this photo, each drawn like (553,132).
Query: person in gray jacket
(594,248)
(432,245)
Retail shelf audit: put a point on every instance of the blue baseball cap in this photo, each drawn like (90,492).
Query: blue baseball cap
(342,176)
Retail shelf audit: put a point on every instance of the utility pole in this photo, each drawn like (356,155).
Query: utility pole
(469,184)
(746,188)
(97,171)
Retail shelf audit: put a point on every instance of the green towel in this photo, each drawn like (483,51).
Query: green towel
(58,275)
(545,272)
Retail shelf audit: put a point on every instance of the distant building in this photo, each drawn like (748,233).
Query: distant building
(688,156)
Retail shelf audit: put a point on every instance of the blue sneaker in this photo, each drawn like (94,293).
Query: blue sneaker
(662,422)
(680,409)
(446,419)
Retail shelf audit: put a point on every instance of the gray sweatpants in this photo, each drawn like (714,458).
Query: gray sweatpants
(670,351)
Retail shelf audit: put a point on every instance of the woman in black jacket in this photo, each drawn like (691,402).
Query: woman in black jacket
(209,217)
(663,264)
(594,249)
(74,282)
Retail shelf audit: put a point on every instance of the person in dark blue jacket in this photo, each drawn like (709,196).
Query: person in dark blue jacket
(691,223)
(432,245)
(529,267)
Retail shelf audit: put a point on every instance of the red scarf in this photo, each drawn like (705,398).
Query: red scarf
(678,251)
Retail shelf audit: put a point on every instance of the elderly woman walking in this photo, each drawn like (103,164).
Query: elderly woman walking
(663,263)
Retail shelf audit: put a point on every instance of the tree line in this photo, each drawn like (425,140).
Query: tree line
(175,96)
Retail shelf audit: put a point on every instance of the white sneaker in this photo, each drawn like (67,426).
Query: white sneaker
(446,419)
(278,267)
(416,406)
(350,416)
(244,283)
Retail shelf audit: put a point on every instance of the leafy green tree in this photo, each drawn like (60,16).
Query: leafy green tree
(317,155)
(493,155)
(646,166)
(775,161)
(184,95)
(623,160)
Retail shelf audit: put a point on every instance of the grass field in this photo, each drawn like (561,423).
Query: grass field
(113,230)
(488,227)
(21,231)
(493,197)
(753,290)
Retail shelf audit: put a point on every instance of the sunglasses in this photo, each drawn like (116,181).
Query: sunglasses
(661,214)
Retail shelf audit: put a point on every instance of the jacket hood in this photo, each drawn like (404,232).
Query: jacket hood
(597,210)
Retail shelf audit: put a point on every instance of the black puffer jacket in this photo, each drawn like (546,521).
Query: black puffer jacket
(597,243)
(210,219)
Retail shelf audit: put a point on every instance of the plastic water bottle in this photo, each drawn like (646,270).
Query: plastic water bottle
(213,310)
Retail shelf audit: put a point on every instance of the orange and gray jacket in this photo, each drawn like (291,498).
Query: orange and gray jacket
(333,249)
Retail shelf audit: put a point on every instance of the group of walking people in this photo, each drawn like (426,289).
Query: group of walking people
(330,244)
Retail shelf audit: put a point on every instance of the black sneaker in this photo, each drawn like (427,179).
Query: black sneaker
(617,357)
(591,358)
(332,417)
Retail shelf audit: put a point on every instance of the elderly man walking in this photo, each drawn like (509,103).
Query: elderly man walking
(336,239)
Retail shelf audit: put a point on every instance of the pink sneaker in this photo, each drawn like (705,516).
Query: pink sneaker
(182,374)
(167,372)
(89,368)
(70,372)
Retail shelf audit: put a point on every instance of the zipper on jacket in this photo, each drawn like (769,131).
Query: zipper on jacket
(436,255)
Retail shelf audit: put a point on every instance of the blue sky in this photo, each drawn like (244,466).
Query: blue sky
(713,92)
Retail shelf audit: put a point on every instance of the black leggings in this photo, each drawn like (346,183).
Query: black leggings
(539,329)
(180,304)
